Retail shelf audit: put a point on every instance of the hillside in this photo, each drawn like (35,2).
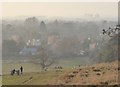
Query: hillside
(98,74)
(103,73)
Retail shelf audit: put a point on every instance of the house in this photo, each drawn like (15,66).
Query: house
(92,46)
(29,50)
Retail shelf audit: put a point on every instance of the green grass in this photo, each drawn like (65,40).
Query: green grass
(71,62)
(40,78)
(31,67)
(33,70)
(13,80)
(28,67)
(0,81)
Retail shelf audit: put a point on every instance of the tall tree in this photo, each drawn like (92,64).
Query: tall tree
(44,56)
(109,51)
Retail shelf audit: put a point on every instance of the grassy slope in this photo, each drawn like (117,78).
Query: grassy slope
(30,67)
(53,77)
(108,75)
(37,78)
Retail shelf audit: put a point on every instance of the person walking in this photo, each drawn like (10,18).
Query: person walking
(21,69)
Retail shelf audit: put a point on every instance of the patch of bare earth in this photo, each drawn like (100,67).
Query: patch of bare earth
(98,74)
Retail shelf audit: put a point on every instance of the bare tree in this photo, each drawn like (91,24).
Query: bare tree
(44,58)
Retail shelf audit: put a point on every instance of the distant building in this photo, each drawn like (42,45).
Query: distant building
(53,38)
(33,42)
(92,46)
(29,50)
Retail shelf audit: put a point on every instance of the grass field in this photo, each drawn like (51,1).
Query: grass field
(32,70)
(0,80)
(106,73)
(32,67)
(38,78)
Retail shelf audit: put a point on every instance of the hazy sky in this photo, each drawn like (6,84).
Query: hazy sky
(61,9)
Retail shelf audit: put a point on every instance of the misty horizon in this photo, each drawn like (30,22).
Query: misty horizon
(64,9)
(59,43)
(85,17)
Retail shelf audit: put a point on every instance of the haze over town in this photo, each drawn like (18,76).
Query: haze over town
(55,40)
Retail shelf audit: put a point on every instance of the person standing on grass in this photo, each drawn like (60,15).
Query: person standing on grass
(21,69)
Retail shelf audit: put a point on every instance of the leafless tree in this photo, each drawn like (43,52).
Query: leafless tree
(45,58)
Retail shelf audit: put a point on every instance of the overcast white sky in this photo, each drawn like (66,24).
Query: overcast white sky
(59,9)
